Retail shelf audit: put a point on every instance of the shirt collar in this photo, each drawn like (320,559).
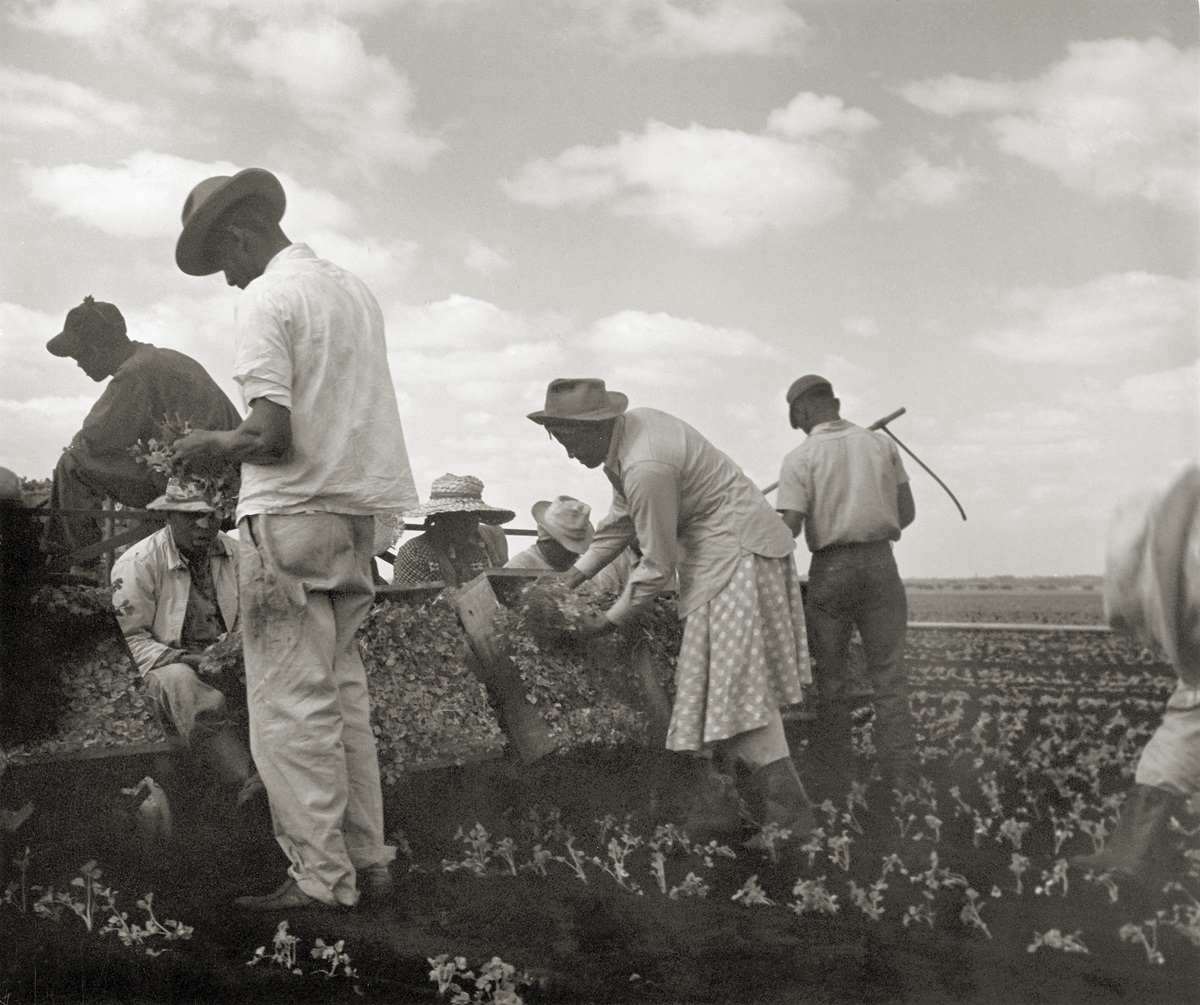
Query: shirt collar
(612,462)
(295,250)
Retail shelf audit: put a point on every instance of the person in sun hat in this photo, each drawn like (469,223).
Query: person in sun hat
(176,594)
(564,533)
(693,512)
(149,385)
(846,488)
(1152,592)
(461,539)
(322,455)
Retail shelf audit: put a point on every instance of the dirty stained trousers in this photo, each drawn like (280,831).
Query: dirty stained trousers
(306,587)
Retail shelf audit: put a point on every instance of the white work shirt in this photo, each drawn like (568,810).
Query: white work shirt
(309,336)
(690,508)
(844,479)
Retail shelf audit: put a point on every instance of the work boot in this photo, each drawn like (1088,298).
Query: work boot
(778,795)
(1135,844)
(713,810)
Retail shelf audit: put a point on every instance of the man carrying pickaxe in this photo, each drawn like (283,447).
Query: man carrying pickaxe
(846,488)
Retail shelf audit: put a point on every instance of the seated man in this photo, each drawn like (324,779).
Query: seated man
(564,533)
(148,385)
(461,536)
(177,595)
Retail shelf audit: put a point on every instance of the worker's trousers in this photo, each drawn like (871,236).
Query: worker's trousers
(306,587)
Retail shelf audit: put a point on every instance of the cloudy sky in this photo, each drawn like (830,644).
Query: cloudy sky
(983,212)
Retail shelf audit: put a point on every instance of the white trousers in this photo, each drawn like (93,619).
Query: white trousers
(306,587)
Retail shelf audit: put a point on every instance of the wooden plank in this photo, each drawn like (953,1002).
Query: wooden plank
(171,745)
(527,731)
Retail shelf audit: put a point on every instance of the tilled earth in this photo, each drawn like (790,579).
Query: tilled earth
(575,941)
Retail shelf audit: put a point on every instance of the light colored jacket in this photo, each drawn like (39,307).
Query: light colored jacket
(155,584)
(1152,577)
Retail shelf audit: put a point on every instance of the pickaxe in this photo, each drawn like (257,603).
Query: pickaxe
(883,424)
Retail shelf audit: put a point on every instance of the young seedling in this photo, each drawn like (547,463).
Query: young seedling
(751,894)
(1054,939)
(970,912)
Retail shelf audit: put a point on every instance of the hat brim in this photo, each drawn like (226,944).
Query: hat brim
(576,544)
(188,506)
(65,343)
(485,513)
(190,254)
(616,405)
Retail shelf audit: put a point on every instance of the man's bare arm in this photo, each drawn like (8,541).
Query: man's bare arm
(264,437)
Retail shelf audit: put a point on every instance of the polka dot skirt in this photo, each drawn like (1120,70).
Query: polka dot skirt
(744,654)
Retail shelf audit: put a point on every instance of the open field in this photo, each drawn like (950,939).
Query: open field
(1018,605)
(571,872)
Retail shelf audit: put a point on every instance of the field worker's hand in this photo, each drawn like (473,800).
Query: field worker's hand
(594,624)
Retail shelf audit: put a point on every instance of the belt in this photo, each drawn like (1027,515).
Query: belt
(862,546)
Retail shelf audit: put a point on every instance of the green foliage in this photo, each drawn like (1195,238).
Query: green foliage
(427,707)
(220,484)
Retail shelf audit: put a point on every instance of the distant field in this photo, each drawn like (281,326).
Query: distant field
(1053,607)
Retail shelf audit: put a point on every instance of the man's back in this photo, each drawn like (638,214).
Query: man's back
(152,384)
(844,479)
(310,338)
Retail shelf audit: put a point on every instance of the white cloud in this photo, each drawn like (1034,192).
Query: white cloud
(1175,391)
(1102,320)
(484,260)
(36,102)
(1116,118)
(717,186)
(461,323)
(925,184)
(689,28)
(345,94)
(298,58)
(49,422)
(144,197)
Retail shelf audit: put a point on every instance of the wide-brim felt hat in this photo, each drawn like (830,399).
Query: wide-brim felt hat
(183,497)
(205,204)
(461,494)
(566,520)
(579,399)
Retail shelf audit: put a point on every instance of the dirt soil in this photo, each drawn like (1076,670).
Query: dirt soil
(577,942)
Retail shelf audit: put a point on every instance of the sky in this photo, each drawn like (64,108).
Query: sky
(982,212)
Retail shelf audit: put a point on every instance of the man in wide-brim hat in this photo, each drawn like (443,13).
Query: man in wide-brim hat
(322,455)
(693,512)
(176,596)
(462,537)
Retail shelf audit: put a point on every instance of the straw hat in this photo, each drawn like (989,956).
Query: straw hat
(183,497)
(566,520)
(461,494)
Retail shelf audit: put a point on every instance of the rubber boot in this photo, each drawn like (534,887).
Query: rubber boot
(1133,849)
(228,757)
(779,797)
(712,811)
(829,759)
